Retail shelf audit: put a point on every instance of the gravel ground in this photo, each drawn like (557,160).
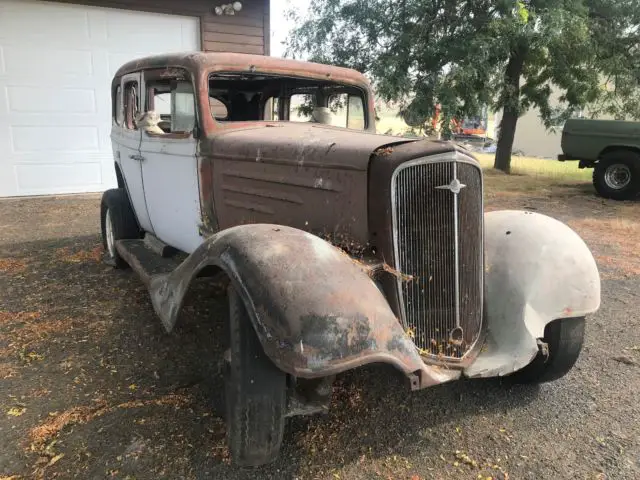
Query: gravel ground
(92,387)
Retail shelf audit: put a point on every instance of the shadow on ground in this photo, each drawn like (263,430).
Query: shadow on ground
(102,384)
(92,387)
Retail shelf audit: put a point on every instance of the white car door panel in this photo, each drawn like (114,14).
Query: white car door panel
(125,146)
(170,173)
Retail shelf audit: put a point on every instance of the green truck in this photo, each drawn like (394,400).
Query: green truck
(611,148)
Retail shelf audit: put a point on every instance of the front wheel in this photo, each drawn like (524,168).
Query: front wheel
(563,339)
(256,393)
(117,222)
(617,175)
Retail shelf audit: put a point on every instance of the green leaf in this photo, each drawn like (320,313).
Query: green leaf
(523,13)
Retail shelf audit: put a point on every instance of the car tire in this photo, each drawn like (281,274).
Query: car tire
(564,338)
(617,175)
(255,391)
(117,222)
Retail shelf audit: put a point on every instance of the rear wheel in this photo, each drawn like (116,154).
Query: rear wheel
(117,222)
(563,339)
(256,393)
(617,175)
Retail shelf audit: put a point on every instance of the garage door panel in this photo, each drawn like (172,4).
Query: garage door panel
(47,21)
(56,65)
(38,99)
(63,158)
(35,179)
(154,41)
(53,138)
(26,62)
(143,26)
(116,59)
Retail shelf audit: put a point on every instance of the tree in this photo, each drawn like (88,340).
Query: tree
(465,54)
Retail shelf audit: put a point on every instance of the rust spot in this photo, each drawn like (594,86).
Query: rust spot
(384,152)
(402,276)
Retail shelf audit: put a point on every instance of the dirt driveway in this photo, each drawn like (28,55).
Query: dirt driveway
(91,387)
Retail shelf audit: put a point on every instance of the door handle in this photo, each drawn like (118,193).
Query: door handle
(137,158)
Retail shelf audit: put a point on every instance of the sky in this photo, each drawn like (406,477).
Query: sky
(280,26)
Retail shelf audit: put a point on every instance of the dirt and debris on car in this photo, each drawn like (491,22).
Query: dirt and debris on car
(268,173)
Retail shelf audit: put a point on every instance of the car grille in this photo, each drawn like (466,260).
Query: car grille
(440,280)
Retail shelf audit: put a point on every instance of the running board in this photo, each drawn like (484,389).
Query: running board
(145,261)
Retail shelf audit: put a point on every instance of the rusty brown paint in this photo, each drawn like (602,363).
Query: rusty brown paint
(331,182)
(330,167)
(298,326)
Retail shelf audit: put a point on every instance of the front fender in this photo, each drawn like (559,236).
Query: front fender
(537,270)
(315,310)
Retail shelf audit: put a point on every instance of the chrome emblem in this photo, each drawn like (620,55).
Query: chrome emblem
(455,186)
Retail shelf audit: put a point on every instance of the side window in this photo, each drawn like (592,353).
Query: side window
(131,105)
(272,109)
(170,107)
(301,107)
(338,109)
(118,110)
(218,109)
(183,108)
(355,113)
(162,103)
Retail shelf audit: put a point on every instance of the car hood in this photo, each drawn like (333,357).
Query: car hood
(303,144)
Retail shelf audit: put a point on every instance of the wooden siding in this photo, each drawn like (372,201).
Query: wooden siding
(246,32)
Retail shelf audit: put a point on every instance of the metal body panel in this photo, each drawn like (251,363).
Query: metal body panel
(308,177)
(437,230)
(537,270)
(586,139)
(171,187)
(316,310)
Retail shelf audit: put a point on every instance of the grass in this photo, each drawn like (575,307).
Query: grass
(540,168)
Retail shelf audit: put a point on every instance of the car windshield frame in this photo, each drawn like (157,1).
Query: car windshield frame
(286,86)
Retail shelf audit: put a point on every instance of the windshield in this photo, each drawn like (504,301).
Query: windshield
(255,97)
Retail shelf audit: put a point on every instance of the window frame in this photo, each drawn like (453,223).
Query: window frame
(284,101)
(128,121)
(151,75)
(117,106)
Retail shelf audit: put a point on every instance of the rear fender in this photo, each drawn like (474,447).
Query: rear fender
(315,310)
(537,270)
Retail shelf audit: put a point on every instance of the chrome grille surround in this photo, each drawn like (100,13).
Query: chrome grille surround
(438,241)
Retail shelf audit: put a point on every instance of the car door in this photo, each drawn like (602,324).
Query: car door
(170,165)
(125,138)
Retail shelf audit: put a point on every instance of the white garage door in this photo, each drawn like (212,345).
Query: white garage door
(56,66)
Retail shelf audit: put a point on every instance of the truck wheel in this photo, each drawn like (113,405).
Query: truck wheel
(256,393)
(617,175)
(564,338)
(117,222)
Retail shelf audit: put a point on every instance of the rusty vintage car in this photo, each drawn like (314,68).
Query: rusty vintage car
(341,247)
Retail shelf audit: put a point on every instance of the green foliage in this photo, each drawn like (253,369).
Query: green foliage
(555,55)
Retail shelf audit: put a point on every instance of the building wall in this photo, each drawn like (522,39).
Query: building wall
(245,32)
(534,140)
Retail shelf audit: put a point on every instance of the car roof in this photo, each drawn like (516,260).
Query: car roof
(226,61)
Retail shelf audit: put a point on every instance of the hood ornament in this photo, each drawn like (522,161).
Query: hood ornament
(455,186)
